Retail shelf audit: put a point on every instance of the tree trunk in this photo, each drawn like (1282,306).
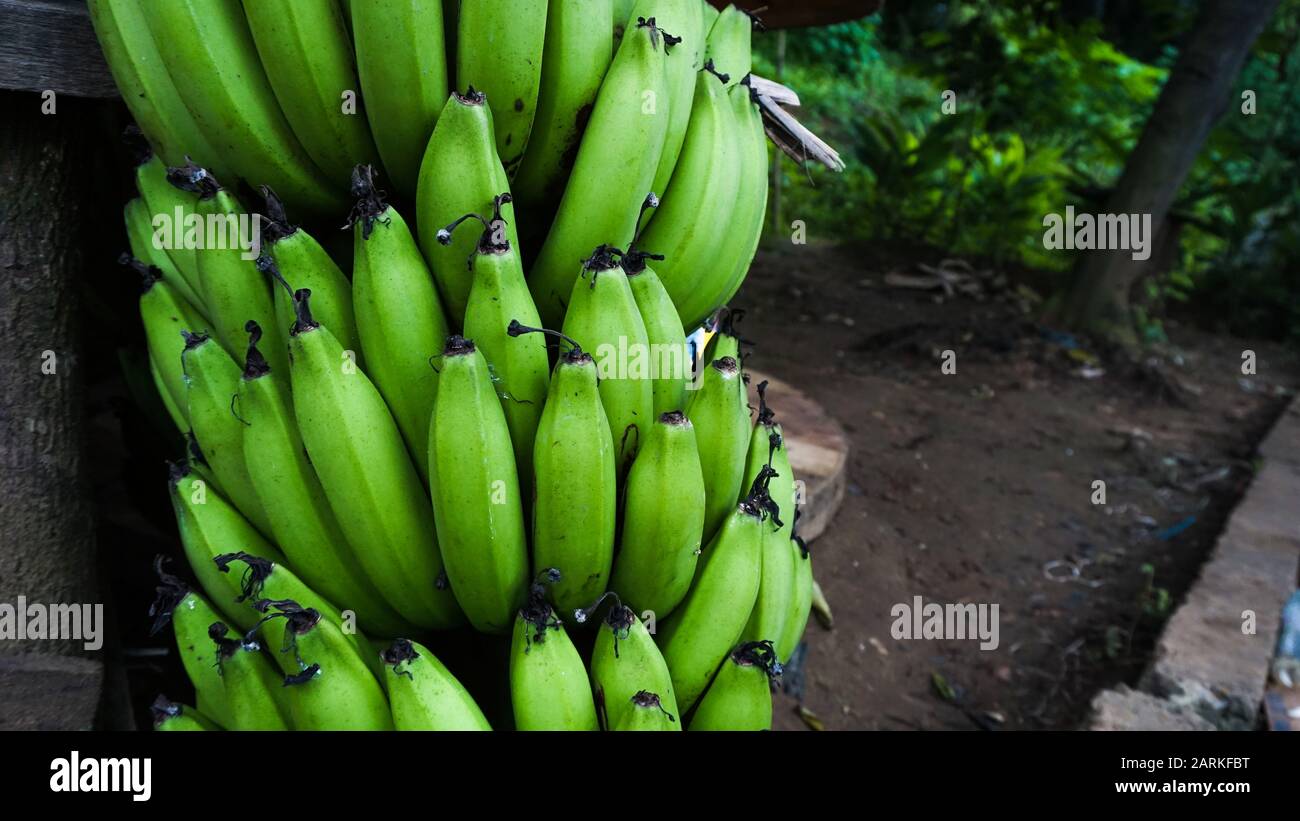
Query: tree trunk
(1193,97)
(46,537)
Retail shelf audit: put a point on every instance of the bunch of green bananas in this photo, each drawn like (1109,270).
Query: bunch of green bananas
(431,430)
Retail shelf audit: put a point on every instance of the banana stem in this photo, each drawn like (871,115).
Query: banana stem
(516,328)
(303,321)
(149,274)
(723,78)
(167,596)
(195,179)
(255,365)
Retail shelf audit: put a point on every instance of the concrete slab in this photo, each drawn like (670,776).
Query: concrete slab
(1125,709)
(32,683)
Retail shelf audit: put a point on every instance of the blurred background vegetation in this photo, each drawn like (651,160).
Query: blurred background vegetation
(1050,98)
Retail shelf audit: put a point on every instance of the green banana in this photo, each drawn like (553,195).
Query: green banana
(663,518)
(740,697)
(709,621)
(302,522)
(685,57)
(801,599)
(646,712)
(173,410)
(520,367)
(253,690)
(475,490)
(190,615)
(725,339)
(368,478)
(209,526)
(622,18)
(165,314)
(669,359)
(335,690)
(751,200)
(499,52)
(729,43)
(293,259)
(424,693)
(603,318)
(165,201)
(694,221)
(139,235)
(307,53)
(402,63)
(768,455)
(575,494)
(147,89)
(549,689)
(579,49)
(172,716)
(399,316)
(460,174)
(213,381)
(613,171)
(711,13)
(624,661)
(233,289)
(720,414)
(264,579)
(210,55)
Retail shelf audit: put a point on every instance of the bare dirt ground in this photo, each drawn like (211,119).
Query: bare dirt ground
(977,487)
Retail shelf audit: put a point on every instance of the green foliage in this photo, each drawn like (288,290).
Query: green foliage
(1043,111)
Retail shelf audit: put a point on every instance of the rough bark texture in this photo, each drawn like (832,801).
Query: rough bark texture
(46,535)
(1194,96)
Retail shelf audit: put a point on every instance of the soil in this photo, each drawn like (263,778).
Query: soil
(977,487)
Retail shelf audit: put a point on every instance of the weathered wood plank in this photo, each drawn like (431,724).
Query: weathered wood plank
(50,45)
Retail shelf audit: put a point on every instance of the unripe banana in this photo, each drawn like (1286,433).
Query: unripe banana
(233,289)
(172,716)
(768,455)
(460,174)
(725,340)
(575,495)
(307,54)
(578,51)
(399,316)
(663,518)
(140,237)
(294,260)
(519,365)
(549,689)
(334,690)
(499,52)
(213,381)
(191,615)
(362,464)
(646,712)
(622,18)
(165,315)
(729,43)
(614,169)
(711,13)
(210,55)
(262,579)
(684,19)
(164,201)
(253,689)
(625,661)
(670,362)
(693,223)
(475,491)
(751,200)
(302,522)
(424,693)
(603,318)
(402,64)
(173,410)
(801,600)
(210,526)
(709,621)
(146,87)
(720,414)
(740,697)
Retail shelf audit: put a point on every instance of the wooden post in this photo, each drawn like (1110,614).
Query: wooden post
(47,552)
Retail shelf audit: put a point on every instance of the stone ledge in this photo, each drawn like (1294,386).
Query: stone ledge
(47,692)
